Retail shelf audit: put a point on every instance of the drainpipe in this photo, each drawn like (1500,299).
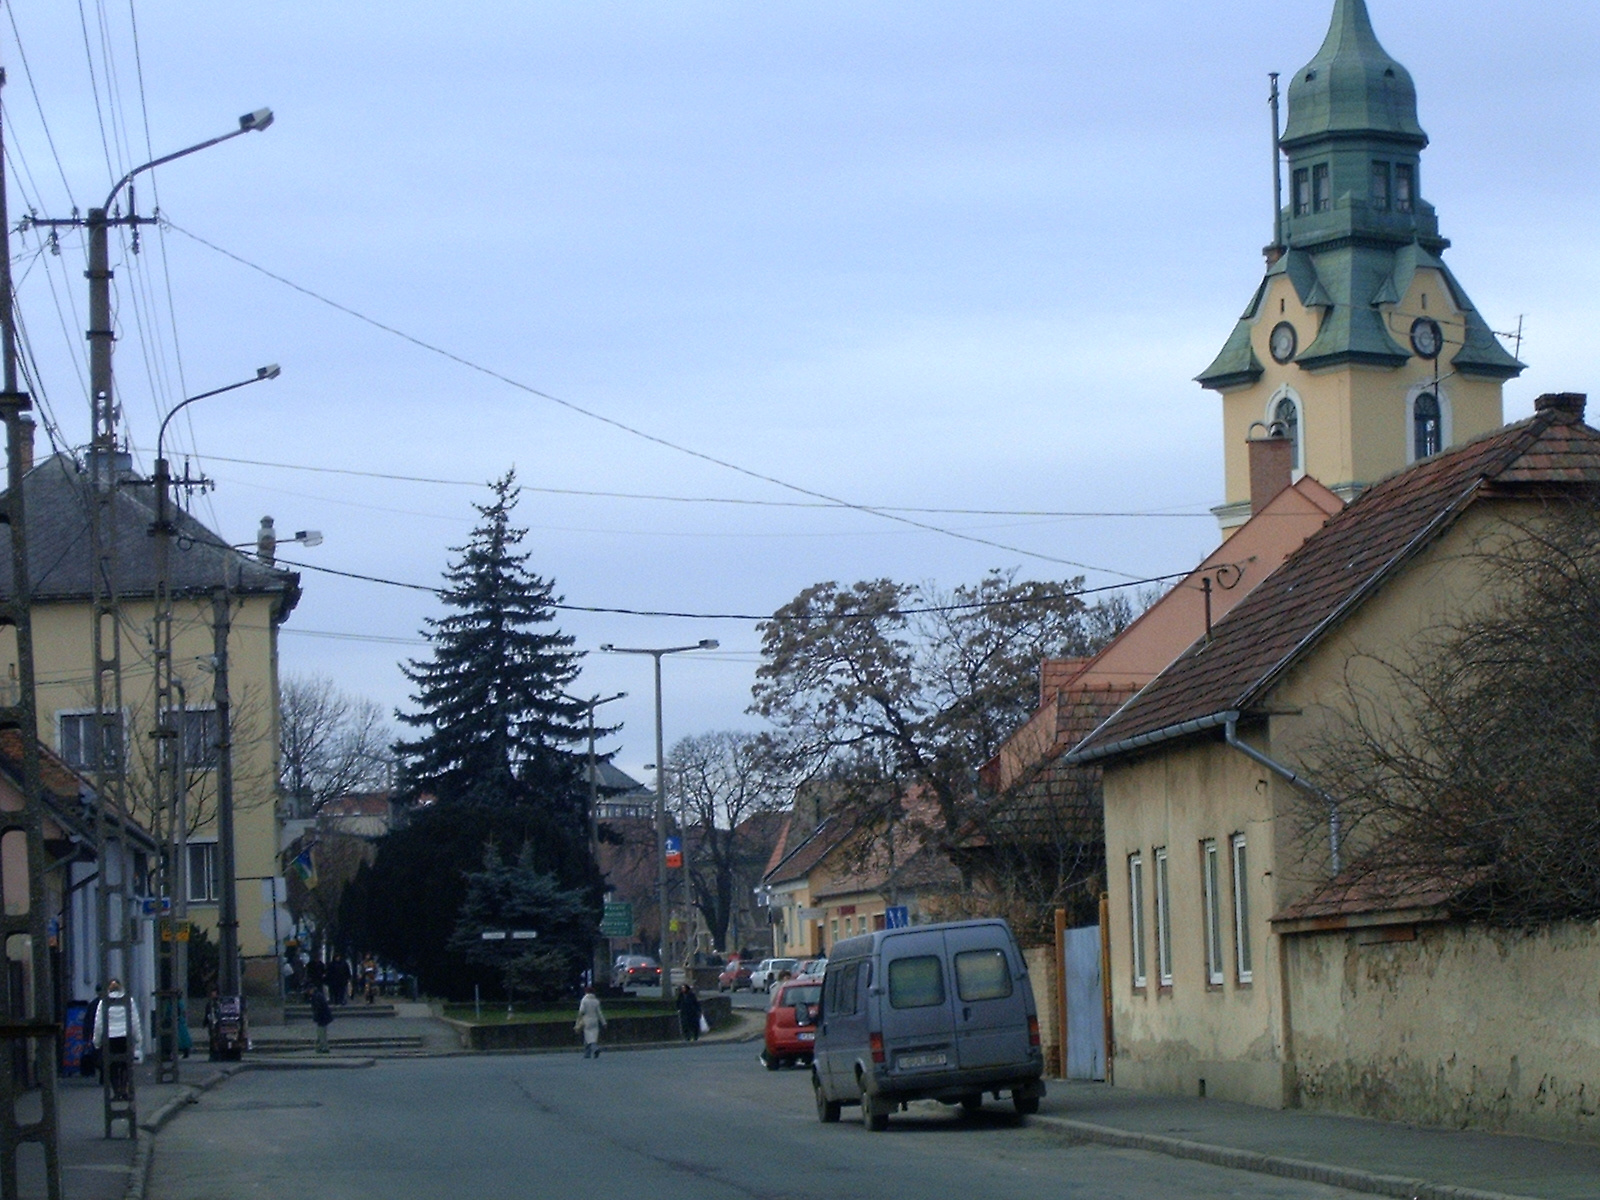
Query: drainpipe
(1231,733)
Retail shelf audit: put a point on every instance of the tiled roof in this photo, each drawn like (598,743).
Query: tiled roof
(56,495)
(1371,890)
(1335,570)
(810,851)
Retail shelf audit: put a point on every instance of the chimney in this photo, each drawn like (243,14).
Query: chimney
(1271,465)
(1567,402)
(25,442)
(266,542)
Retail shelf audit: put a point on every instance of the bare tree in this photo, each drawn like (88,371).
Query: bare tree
(1468,767)
(332,743)
(724,784)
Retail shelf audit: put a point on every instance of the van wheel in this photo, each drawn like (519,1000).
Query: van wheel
(874,1111)
(971,1104)
(1026,1106)
(827,1110)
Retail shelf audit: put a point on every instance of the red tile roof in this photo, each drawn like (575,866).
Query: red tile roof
(1335,570)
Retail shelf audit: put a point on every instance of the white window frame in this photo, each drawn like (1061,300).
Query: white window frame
(1211,909)
(1136,918)
(211,894)
(1243,959)
(1163,919)
(1285,392)
(1446,424)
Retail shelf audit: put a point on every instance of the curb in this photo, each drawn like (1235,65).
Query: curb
(1350,1178)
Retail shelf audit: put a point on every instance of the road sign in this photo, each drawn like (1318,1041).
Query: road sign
(493,935)
(524,935)
(674,852)
(896,916)
(618,920)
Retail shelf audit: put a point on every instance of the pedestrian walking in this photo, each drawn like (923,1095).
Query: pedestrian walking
(89,1064)
(116,1027)
(369,978)
(689,1013)
(589,1023)
(321,1016)
(338,979)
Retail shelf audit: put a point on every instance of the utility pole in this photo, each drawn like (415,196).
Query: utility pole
(227,869)
(598,959)
(31,1019)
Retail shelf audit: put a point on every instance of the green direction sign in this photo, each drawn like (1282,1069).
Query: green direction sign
(618,919)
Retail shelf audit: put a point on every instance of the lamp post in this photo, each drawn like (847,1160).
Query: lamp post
(661,791)
(170,768)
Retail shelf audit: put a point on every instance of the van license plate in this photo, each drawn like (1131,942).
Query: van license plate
(920,1062)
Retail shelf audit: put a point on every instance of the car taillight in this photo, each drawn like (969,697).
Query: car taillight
(1033,1031)
(875,1042)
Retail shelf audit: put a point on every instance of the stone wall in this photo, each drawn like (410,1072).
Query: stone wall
(1451,1025)
(1041,962)
(620,1030)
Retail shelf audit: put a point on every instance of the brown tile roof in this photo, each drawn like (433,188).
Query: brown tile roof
(1335,570)
(807,852)
(1371,890)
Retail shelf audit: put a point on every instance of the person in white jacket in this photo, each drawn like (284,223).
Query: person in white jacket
(115,1022)
(589,1023)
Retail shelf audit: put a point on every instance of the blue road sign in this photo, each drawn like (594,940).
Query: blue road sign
(896,916)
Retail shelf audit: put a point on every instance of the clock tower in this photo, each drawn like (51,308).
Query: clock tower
(1359,344)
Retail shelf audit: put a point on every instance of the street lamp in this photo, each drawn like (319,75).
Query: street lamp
(661,792)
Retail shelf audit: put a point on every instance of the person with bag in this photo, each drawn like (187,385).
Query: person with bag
(116,1021)
(589,1023)
(689,1018)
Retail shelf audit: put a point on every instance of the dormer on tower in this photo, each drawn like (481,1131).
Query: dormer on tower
(1359,344)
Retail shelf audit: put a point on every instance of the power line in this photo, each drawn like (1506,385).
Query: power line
(632,430)
(733,500)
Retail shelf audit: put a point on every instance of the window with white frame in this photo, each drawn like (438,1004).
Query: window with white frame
(1163,919)
(75,739)
(1212,909)
(198,731)
(1136,917)
(202,872)
(1241,908)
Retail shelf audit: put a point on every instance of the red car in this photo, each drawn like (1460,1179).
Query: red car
(792,1022)
(734,976)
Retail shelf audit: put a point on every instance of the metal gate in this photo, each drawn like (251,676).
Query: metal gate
(1086,1018)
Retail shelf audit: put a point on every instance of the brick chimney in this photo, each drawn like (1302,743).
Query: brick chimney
(25,442)
(1567,402)
(1271,467)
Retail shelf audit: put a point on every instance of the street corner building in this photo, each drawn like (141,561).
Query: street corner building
(206,576)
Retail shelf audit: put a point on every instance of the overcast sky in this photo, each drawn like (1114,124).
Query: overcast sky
(931,255)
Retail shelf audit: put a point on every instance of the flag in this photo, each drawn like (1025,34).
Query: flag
(305,868)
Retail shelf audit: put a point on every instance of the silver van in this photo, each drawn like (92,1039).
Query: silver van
(927,1012)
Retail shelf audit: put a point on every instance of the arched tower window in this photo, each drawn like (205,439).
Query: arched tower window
(1286,414)
(1427,426)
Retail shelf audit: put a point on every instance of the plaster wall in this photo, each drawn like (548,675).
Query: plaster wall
(1462,1026)
(63,656)
(1171,1038)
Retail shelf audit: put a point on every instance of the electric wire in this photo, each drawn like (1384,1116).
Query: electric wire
(634,431)
(27,71)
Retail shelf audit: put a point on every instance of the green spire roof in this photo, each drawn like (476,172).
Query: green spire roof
(1352,86)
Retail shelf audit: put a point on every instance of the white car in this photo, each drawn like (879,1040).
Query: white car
(769,970)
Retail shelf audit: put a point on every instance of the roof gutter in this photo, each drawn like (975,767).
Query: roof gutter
(1230,731)
(1140,741)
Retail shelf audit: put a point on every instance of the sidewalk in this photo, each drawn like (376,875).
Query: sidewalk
(1351,1152)
(94,1167)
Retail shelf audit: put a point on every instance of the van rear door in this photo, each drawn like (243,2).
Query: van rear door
(915,1013)
(990,999)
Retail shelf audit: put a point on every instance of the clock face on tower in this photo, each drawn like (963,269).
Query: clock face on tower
(1283,342)
(1427,339)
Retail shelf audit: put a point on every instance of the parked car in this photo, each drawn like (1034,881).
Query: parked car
(792,1023)
(769,970)
(811,968)
(734,976)
(929,1012)
(636,970)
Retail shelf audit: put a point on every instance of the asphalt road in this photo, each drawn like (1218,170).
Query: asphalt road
(703,1122)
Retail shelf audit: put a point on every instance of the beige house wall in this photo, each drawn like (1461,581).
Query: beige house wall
(63,656)
(1354,425)
(1496,1029)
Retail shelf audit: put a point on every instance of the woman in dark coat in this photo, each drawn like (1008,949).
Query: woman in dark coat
(689,1013)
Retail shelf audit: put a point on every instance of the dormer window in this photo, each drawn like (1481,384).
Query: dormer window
(1321,190)
(1427,426)
(1302,192)
(1404,186)
(1380,186)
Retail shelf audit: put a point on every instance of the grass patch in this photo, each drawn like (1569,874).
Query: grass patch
(494,1012)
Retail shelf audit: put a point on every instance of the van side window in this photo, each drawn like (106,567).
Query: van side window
(916,982)
(840,998)
(982,975)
